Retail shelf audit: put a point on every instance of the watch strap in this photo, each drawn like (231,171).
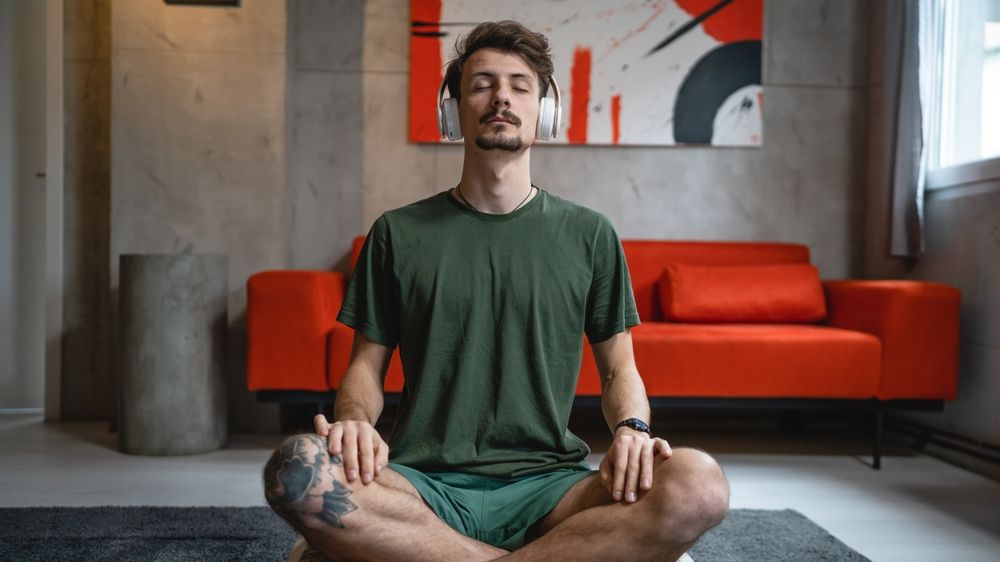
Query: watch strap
(636,424)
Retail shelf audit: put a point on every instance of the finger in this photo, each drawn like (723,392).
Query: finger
(350,454)
(322,426)
(663,448)
(632,474)
(620,468)
(646,470)
(606,473)
(335,439)
(381,456)
(366,453)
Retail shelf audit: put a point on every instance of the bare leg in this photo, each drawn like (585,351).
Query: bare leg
(385,520)
(690,495)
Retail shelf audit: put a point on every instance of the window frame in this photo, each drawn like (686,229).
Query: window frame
(976,171)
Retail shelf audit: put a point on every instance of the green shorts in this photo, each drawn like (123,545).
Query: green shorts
(497,511)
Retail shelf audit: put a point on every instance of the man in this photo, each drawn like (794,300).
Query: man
(487,288)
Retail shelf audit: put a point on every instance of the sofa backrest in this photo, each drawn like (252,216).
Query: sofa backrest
(648,258)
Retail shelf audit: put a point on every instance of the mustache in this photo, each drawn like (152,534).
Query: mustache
(505,114)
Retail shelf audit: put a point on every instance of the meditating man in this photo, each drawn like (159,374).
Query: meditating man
(488,288)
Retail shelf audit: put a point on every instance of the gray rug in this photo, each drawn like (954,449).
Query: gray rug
(168,534)
(775,536)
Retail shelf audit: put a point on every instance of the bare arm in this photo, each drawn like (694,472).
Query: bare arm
(628,466)
(358,406)
(622,394)
(360,396)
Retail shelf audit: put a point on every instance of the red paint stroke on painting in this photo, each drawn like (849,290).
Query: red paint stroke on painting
(632,33)
(616,116)
(425,73)
(743,20)
(579,97)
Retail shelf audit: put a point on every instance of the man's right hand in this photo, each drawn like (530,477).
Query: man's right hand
(361,447)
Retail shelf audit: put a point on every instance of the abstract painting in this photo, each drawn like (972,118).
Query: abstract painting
(653,72)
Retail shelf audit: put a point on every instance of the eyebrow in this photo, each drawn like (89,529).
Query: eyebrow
(515,76)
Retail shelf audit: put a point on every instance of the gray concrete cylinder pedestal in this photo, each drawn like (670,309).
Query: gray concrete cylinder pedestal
(173,313)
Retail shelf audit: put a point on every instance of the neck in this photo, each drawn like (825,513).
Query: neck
(495,182)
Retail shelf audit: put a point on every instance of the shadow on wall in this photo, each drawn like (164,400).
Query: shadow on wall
(246,414)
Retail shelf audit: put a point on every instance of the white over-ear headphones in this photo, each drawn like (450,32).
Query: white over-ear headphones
(549,114)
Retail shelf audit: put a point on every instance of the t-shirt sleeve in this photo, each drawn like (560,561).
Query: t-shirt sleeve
(370,301)
(610,303)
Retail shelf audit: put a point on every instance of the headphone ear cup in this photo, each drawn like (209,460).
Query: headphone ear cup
(546,119)
(450,125)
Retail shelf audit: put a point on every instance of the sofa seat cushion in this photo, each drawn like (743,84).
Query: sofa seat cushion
(750,361)
(778,293)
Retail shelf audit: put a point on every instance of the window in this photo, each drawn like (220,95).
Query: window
(990,144)
(962,42)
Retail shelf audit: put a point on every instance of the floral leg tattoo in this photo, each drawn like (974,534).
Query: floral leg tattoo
(299,480)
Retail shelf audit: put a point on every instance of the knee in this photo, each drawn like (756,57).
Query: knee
(304,484)
(691,495)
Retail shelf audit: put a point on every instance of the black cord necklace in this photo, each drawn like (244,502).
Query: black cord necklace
(458,189)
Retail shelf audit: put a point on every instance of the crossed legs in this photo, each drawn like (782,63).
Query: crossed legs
(690,495)
(387,520)
(384,521)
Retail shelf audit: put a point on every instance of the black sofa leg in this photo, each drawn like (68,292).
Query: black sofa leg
(877,438)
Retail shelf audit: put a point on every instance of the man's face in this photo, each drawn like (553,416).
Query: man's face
(499,103)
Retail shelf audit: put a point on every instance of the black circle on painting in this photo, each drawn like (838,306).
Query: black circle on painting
(712,79)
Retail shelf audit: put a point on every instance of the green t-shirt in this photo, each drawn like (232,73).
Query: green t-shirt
(489,312)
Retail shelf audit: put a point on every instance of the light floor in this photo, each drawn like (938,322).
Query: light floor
(915,509)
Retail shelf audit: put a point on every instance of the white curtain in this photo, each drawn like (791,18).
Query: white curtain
(908,66)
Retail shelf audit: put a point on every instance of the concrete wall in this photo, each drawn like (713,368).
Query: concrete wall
(8,300)
(805,185)
(198,147)
(22,203)
(87,327)
(325,131)
(963,250)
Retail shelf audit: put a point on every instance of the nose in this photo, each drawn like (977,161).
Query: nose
(501,96)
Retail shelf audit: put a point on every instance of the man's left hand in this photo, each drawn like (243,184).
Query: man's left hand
(628,466)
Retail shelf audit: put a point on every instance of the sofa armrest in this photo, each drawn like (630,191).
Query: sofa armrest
(917,323)
(289,315)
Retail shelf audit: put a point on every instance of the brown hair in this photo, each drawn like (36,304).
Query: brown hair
(507,35)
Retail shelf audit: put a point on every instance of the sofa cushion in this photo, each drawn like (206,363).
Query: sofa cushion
(784,293)
(749,361)
(646,259)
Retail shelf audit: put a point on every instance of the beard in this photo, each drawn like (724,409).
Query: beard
(499,141)
(496,139)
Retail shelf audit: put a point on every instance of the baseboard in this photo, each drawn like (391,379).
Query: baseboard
(966,452)
(22,411)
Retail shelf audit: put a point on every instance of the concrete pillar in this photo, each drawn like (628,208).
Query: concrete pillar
(173,315)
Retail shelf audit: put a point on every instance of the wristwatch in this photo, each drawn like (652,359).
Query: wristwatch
(636,424)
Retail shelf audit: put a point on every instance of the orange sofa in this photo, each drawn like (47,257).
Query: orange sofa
(722,321)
